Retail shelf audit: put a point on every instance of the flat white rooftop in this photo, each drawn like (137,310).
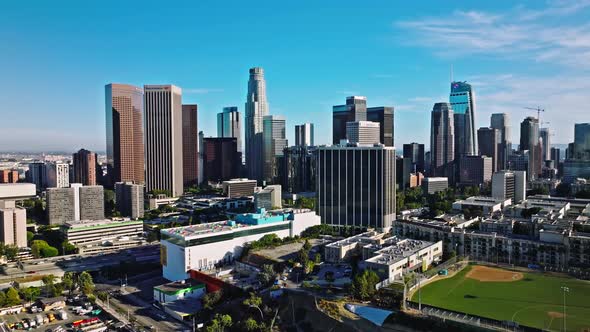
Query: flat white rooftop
(17,190)
(399,251)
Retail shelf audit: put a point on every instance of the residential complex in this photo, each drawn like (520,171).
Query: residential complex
(75,203)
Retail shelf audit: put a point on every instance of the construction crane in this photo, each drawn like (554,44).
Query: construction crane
(539,110)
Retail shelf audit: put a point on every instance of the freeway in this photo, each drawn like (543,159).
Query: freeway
(78,263)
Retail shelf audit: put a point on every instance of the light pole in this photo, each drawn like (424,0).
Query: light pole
(565,290)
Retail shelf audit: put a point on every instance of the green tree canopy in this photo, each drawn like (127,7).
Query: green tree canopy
(12,297)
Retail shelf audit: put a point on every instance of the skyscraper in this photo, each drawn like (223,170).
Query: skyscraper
(190,145)
(442,141)
(415,153)
(37,174)
(462,100)
(275,141)
(489,141)
(356,186)
(124,126)
(355,109)
(85,167)
(545,136)
(129,198)
(555,156)
(582,141)
(501,122)
(298,169)
(256,109)
(363,132)
(509,184)
(304,135)
(475,170)
(163,139)
(229,124)
(529,140)
(577,160)
(384,116)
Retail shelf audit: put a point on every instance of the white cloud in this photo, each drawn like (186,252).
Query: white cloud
(521,33)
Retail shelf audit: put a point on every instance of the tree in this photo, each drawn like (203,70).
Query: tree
(2,299)
(30,236)
(152,236)
(267,274)
(210,300)
(30,293)
(11,251)
(68,281)
(86,283)
(12,297)
(109,203)
(307,245)
(363,285)
(250,324)
(563,190)
(219,323)
(35,250)
(69,248)
(49,252)
(254,302)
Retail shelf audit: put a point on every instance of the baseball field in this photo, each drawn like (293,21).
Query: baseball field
(532,299)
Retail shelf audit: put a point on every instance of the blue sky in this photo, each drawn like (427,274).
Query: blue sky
(57,56)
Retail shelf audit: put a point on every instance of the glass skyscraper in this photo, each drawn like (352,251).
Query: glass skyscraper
(501,122)
(256,109)
(229,125)
(442,143)
(274,143)
(462,100)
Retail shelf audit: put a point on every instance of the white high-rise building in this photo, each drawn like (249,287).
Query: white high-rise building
(509,184)
(163,139)
(256,109)
(304,135)
(58,175)
(363,132)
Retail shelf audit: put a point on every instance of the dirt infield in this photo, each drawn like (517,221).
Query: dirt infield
(486,273)
(555,314)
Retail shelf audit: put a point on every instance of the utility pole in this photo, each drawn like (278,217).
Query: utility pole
(565,290)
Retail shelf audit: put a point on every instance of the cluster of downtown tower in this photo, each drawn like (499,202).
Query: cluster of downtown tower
(153,140)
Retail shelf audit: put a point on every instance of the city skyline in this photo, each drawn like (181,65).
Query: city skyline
(70,104)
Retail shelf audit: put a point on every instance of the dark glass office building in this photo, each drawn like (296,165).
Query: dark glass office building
(384,116)
(221,159)
(297,172)
(356,186)
(415,152)
(354,110)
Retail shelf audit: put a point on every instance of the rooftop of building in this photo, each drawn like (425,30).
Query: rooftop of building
(400,250)
(176,287)
(17,190)
(484,201)
(432,178)
(99,223)
(243,221)
(240,180)
(363,237)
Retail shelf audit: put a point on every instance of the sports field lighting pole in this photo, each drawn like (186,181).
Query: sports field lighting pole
(565,290)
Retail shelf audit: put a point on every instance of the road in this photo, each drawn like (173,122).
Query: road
(78,263)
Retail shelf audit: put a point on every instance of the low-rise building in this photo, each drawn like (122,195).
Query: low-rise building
(178,290)
(91,236)
(239,187)
(433,185)
(269,198)
(160,200)
(487,205)
(203,246)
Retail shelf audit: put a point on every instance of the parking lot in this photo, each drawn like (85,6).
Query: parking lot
(17,320)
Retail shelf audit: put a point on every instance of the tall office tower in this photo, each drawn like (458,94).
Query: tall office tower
(545,138)
(529,140)
(256,110)
(275,142)
(463,103)
(555,156)
(304,135)
(201,159)
(37,174)
(475,170)
(13,224)
(124,124)
(354,110)
(229,125)
(129,199)
(442,141)
(8,176)
(221,159)
(356,186)
(384,116)
(490,142)
(297,171)
(577,161)
(163,139)
(58,175)
(509,184)
(501,122)
(363,132)
(415,153)
(190,145)
(85,167)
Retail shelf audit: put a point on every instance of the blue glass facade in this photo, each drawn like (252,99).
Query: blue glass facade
(462,101)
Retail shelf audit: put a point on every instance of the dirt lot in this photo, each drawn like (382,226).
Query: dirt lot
(486,273)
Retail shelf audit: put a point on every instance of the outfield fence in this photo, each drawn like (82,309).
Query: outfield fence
(474,320)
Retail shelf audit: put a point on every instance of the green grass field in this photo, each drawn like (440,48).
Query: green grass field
(527,301)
